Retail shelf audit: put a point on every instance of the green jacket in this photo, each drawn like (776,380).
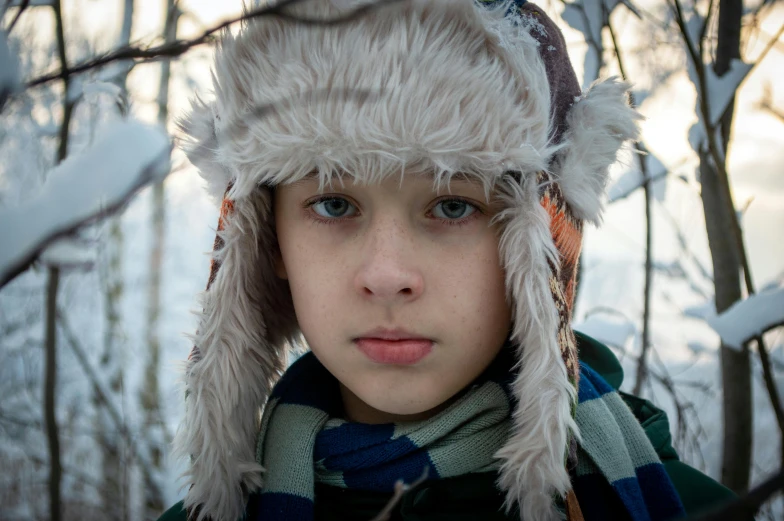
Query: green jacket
(474,497)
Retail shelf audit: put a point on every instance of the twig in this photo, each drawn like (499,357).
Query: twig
(590,37)
(400,489)
(726,192)
(684,245)
(687,434)
(103,393)
(181,46)
(19,12)
(746,505)
(642,367)
(766,103)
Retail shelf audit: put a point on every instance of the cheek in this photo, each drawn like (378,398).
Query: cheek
(314,279)
(476,287)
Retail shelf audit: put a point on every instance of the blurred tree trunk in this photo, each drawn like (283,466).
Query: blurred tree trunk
(52,287)
(735,365)
(114,463)
(50,387)
(150,394)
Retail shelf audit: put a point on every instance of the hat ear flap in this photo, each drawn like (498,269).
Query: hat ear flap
(201,146)
(532,468)
(598,124)
(240,347)
(240,350)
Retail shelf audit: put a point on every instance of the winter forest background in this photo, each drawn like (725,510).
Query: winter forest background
(93,322)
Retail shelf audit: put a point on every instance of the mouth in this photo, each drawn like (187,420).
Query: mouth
(394,346)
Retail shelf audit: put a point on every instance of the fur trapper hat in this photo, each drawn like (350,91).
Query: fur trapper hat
(448,86)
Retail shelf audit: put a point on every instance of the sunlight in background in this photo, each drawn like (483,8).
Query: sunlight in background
(755,161)
(614,253)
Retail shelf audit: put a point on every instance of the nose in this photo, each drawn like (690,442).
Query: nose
(389,272)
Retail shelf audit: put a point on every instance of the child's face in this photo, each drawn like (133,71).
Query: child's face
(394,256)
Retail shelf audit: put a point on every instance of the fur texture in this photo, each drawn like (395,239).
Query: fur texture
(598,125)
(247,321)
(533,470)
(439,86)
(294,99)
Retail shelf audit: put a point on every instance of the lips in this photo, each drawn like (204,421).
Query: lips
(394,346)
(395,352)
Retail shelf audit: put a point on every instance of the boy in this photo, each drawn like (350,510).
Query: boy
(404,195)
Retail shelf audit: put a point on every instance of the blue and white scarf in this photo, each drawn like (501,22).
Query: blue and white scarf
(303,440)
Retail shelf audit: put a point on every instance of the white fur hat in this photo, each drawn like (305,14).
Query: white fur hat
(448,86)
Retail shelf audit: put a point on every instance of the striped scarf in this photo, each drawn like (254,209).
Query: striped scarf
(303,417)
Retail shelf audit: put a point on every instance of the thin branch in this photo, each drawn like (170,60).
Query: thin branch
(766,105)
(400,489)
(179,47)
(686,433)
(19,12)
(771,44)
(102,391)
(78,474)
(737,233)
(704,28)
(747,505)
(642,153)
(684,246)
(62,149)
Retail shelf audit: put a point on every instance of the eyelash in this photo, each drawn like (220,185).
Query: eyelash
(449,222)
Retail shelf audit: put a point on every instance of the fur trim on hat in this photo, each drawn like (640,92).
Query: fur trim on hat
(533,470)
(447,87)
(246,325)
(598,125)
(349,107)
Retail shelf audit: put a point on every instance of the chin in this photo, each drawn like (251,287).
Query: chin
(403,407)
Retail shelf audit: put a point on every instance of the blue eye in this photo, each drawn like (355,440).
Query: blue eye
(333,207)
(453,209)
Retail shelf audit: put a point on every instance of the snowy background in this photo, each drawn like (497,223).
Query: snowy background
(610,306)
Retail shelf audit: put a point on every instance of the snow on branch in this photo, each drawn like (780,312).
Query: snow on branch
(714,92)
(590,17)
(82,189)
(721,89)
(750,318)
(179,47)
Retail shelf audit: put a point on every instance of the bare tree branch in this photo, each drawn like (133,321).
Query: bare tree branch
(19,12)
(102,181)
(766,103)
(101,389)
(50,380)
(170,50)
(642,367)
(746,506)
(718,156)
